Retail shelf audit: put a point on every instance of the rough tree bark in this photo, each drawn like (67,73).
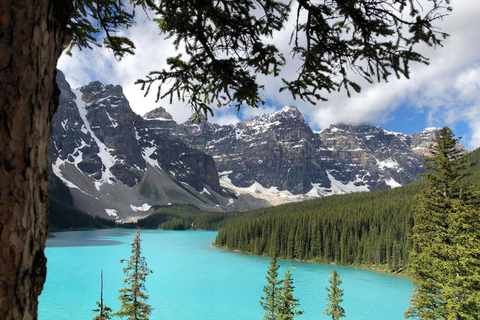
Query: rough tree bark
(31,38)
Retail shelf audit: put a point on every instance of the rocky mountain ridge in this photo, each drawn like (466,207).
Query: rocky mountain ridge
(118,164)
(279,154)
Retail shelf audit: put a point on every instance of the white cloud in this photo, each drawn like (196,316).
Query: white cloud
(446,91)
(250,113)
(223,118)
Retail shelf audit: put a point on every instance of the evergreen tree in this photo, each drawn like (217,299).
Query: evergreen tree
(334,298)
(271,301)
(103,312)
(445,261)
(287,303)
(132,296)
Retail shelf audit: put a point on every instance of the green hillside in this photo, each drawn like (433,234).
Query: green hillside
(356,229)
(183,217)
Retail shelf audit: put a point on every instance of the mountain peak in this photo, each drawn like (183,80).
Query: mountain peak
(430,129)
(289,110)
(362,129)
(158,114)
(97,91)
(287,117)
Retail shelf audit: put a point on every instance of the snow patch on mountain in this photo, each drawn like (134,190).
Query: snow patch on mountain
(339,187)
(104,154)
(158,119)
(205,191)
(143,207)
(392,183)
(114,123)
(272,194)
(57,170)
(147,152)
(389,163)
(111,212)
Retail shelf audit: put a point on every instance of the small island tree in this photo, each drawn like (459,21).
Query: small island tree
(334,298)
(132,296)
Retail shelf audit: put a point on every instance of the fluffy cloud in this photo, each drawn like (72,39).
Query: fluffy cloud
(446,92)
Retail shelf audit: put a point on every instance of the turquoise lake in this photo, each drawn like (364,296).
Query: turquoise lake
(193,280)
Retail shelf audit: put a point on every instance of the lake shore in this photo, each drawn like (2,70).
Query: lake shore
(375,268)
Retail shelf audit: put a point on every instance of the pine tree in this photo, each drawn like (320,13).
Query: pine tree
(132,296)
(445,261)
(287,303)
(103,312)
(334,298)
(271,301)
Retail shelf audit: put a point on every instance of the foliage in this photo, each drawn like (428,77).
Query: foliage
(278,302)
(271,301)
(91,17)
(355,229)
(227,44)
(287,306)
(104,312)
(445,261)
(132,296)
(334,298)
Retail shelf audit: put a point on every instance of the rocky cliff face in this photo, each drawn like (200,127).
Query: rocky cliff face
(117,163)
(276,151)
(368,156)
(278,154)
(120,164)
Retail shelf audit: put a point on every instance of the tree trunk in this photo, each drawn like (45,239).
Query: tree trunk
(31,38)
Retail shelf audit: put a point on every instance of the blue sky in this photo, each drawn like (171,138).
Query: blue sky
(444,93)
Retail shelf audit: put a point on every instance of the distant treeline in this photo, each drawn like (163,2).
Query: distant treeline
(63,216)
(371,228)
(184,217)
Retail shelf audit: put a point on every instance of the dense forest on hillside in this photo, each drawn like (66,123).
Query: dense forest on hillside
(184,217)
(362,228)
(371,228)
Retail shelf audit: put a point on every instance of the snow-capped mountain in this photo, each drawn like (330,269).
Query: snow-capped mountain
(119,164)
(279,155)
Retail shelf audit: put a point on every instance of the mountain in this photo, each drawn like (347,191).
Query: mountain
(118,164)
(278,156)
